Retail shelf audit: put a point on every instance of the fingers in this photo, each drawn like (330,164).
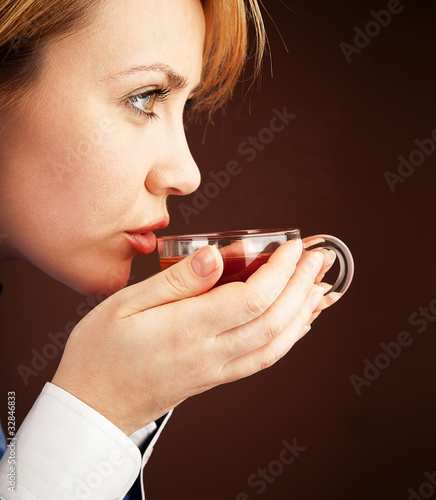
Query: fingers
(192,276)
(271,325)
(329,259)
(329,255)
(329,298)
(234,304)
(270,353)
(314,316)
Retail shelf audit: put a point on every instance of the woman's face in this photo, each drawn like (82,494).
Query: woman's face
(100,143)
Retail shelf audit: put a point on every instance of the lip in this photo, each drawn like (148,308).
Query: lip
(160,224)
(142,239)
(142,243)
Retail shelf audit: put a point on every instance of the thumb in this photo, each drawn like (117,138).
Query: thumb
(192,276)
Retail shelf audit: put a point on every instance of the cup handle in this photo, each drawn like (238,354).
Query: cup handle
(343,254)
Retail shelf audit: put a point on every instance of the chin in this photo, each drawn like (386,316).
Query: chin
(102,290)
(97,282)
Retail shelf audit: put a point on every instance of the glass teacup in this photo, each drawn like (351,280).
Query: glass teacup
(245,251)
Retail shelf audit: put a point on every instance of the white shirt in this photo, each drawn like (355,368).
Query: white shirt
(65,450)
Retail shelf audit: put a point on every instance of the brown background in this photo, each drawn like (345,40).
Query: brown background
(324,174)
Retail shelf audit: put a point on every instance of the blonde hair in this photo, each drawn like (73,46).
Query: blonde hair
(26,26)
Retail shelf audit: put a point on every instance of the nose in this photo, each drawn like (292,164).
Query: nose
(174,170)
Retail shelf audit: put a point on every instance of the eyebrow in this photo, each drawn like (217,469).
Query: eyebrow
(175,80)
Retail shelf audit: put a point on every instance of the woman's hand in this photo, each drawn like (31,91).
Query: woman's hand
(329,259)
(150,346)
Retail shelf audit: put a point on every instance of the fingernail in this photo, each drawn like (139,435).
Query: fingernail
(331,257)
(317,295)
(315,263)
(298,249)
(205,262)
(306,329)
(333,297)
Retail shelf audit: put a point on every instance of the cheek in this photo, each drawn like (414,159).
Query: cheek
(96,175)
(67,193)
(80,176)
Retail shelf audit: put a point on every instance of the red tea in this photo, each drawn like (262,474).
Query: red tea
(235,268)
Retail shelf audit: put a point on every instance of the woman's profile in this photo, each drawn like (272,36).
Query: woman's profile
(93,99)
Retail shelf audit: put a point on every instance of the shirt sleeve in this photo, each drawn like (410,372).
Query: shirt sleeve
(146,445)
(65,450)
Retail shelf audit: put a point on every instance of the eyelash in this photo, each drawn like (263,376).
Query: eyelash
(189,105)
(158,95)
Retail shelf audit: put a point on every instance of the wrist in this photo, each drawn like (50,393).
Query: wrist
(113,408)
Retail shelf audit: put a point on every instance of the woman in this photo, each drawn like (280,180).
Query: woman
(92,97)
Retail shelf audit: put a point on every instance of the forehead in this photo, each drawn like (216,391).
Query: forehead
(128,33)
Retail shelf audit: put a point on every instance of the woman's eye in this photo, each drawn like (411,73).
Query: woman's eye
(143,102)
